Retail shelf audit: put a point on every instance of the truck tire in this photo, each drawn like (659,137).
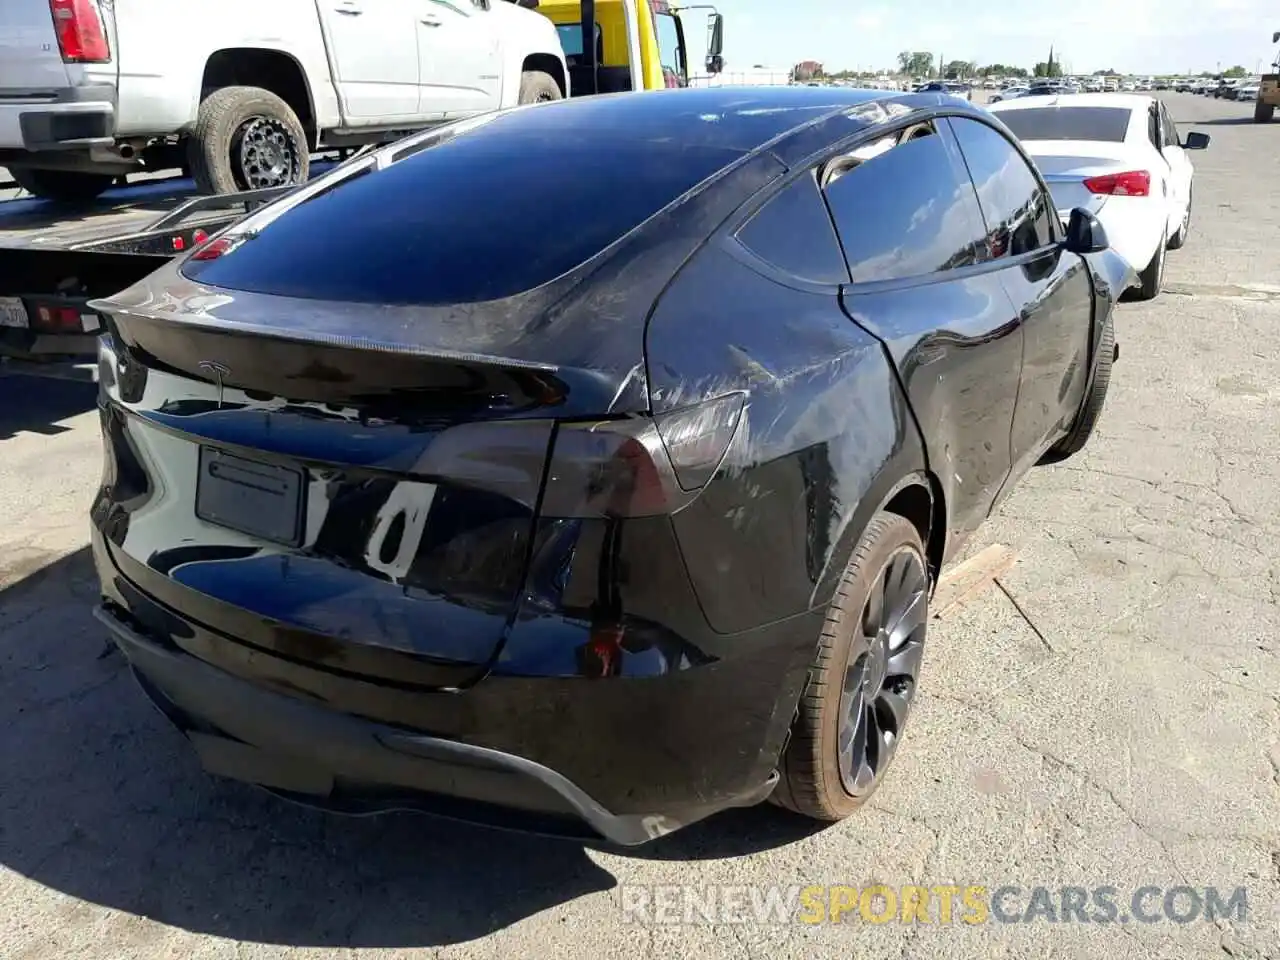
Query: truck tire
(1263,112)
(246,138)
(61,186)
(536,86)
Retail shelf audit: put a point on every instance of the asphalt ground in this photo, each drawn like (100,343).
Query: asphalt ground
(1106,715)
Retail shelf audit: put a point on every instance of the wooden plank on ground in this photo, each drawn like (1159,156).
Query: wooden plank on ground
(967,580)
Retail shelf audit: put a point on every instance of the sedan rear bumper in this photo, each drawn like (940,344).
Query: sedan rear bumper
(320,757)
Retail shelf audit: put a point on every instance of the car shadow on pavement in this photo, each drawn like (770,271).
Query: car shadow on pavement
(100,800)
(1225,122)
(34,404)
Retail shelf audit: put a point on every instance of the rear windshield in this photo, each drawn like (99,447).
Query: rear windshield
(1108,124)
(491,213)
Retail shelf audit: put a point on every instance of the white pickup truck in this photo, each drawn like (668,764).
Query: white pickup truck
(239,93)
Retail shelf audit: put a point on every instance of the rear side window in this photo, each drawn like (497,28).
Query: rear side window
(1171,137)
(1099,124)
(902,207)
(486,215)
(1018,214)
(793,232)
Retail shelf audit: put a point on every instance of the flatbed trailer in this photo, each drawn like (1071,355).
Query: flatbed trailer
(53,260)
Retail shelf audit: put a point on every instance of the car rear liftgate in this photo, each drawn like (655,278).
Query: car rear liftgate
(376,522)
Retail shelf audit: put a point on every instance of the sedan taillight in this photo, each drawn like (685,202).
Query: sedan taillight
(1131,183)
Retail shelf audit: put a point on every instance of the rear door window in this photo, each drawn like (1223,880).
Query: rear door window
(1019,216)
(903,207)
(1171,138)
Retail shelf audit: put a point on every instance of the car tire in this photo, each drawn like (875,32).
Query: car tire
(1089,415)
(1263,112)
(1151,280)
(817,779)
(62,186)
(246,138)
(1178,239)
(537,86)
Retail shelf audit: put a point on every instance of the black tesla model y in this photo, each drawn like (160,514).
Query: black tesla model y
(587,468)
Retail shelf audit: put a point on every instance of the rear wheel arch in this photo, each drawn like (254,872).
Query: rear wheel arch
(918,497)
(549,64)
(272,70)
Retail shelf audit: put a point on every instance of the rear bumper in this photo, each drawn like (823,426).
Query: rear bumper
(314,755)
(70,119)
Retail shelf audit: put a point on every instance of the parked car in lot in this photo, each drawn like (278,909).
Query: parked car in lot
(1010,93)
(1248,92)
(1120,156)
(638,527)
(952,88)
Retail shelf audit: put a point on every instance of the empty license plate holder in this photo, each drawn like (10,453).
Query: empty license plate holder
(254,498)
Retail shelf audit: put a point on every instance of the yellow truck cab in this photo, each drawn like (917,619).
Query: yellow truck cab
(637,44)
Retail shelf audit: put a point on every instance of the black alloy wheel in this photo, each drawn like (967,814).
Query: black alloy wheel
(883,672)
(265,154)
(864,677)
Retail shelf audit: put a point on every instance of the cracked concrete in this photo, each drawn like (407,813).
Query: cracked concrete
(1109,715)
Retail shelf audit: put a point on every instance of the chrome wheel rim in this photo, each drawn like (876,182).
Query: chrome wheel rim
(267,154)
(883,671)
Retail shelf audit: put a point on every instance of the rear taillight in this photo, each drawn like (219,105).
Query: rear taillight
(82,37)
(60,318)
(1131,183)
(214,248)
(640,467)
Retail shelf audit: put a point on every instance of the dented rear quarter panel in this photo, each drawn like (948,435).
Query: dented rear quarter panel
(826,436)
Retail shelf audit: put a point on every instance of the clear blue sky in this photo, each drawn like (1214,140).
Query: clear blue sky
(1137,36)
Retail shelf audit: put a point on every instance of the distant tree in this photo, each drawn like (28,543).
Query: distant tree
(1001,70)
(1109,72)
(960,68)
(1235,72)
(915,64)
(1046,69)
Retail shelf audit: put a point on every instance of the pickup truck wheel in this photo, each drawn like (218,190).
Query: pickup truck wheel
(246,138)
(864,678)
(1263,112)
(61,186)
(538,87)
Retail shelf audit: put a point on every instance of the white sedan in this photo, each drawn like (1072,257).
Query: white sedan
(1011,93)
(1120,157)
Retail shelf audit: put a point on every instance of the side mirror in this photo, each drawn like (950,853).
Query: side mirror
(1085,233)
(1275,37)
(715,64)
(1195,141)
(715,38)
